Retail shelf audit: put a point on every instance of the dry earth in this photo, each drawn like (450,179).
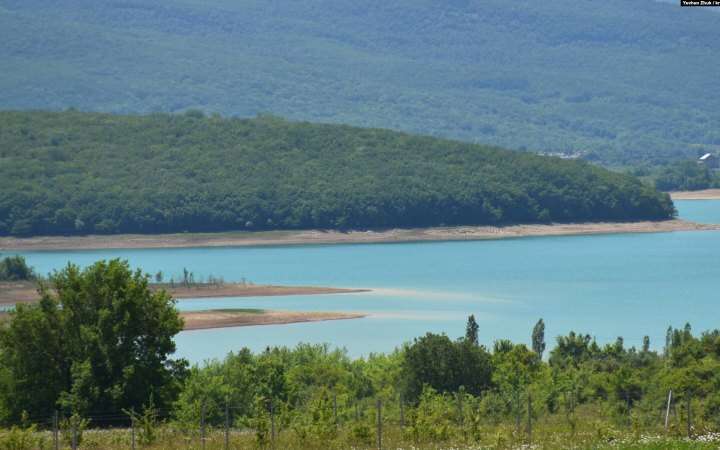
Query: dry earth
(707,194)
(26,292)
(199,320)
(307,237)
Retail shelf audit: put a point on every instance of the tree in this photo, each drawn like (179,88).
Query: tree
(471,330)
(572,349)
(515,369)
(14,268)
(444,365)
(100,340)
(538,338)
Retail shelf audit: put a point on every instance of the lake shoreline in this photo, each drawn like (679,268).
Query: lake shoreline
(12,293)
(705,194)
(328,237)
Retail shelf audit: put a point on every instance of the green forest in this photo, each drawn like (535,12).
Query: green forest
(686,176)
(94,358)
(620,82)
(77,173)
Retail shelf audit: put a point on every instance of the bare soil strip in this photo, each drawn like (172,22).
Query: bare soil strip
(205,320)
(200,320)
(26,292)
(309,237)
(707,194)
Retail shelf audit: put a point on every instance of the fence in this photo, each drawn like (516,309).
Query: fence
(368,419)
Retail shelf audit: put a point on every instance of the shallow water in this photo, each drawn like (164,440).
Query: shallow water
(608,285)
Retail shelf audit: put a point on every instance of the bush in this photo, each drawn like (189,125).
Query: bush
(14,268)
(20,439)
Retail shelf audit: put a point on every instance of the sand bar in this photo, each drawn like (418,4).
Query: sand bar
(706,194)
(309,237)
(26,292)
(200,320)
(204,320)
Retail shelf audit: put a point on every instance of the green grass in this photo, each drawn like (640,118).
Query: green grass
(179,436)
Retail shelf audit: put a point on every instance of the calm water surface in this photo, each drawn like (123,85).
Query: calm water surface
(630,285)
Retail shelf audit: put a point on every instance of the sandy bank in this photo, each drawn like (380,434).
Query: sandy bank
(200,320)
(203,320)
(707,194)
(26,292)
(239,239)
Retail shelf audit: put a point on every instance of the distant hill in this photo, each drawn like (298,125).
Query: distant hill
(621,81)
(72,173)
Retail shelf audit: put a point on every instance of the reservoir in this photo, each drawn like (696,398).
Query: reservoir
(628,285)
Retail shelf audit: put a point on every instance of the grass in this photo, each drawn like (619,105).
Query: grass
(172,438)
(594,430)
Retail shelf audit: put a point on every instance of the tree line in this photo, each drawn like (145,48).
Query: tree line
(686,176)
(78,173)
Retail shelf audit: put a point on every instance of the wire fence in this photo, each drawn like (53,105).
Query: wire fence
(368,420)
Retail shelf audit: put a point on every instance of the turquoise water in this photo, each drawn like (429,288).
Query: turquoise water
(610,285)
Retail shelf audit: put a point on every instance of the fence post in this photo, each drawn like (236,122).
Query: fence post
(629,414)
(689,416)
(529,418)
(227,425)
(667,410)
(460,409)
(74,435)
(132,428)
(518,411)
(335,415)
(379,424)
(202,425)
(56,442)
(272,422)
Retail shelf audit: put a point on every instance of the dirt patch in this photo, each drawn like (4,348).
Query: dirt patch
(309,237)
(18,292)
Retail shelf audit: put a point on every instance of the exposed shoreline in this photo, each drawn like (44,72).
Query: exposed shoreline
(26,292)
(310,237)
(204,320)
(212,319)
(705,194)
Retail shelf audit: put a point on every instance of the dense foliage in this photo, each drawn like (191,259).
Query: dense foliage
(621,81)
(71,172)
(99,339)
(609,387)
(14,268)
(687,176)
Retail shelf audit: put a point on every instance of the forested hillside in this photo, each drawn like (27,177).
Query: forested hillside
(74,172)
(621,82)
